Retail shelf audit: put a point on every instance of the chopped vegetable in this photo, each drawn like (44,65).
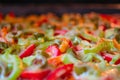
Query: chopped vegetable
(64,45)
(60,32)
(63,70)
(14,65)
(39,74)
(53,50)
(102,45)
(28,51)
(67,47)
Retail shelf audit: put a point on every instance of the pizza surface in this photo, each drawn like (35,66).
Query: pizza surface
(67,47)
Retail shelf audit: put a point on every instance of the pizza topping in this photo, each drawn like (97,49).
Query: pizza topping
(50,47)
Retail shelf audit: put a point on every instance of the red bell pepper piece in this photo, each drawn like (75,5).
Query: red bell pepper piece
(53,50)
(60,32)
(35,75)
(28,51)
(59,72)
(109,57)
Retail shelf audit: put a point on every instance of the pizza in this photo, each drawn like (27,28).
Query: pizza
(71,46)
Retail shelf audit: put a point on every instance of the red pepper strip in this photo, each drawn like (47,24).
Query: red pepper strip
(53,50)
(35,75)
(63,70)
(28,51)
(109,57)
(60,32)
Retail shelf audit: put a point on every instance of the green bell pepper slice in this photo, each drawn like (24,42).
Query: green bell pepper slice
(68,57)
(12,63)
(103,44)
(28,60)
(90,37)
(44,45)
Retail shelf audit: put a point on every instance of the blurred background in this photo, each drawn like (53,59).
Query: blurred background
(26,7)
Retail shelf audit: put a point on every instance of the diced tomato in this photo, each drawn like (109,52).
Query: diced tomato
(53,50)
(35,75)
(60,32)
(28,51)
(60,71)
